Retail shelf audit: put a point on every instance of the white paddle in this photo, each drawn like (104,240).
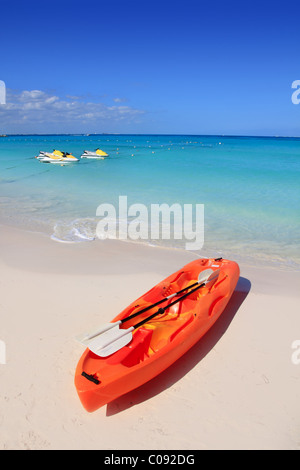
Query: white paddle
(112,338)
(86,338)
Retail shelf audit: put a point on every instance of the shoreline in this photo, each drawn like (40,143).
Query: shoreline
(253,261)
(238,222)
(239,381)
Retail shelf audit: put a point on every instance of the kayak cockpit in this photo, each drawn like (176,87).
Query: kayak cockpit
(150,340)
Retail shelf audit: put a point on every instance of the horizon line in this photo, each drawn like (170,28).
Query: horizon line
(152,134)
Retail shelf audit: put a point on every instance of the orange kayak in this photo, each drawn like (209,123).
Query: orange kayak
(161,340)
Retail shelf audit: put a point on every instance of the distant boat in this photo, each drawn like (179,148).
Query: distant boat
(97,154)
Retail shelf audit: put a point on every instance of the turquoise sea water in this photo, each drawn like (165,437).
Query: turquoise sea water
(250,188)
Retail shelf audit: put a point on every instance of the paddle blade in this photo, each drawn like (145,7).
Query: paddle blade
(212,278)
(204,275)
(112,341)
(87,338)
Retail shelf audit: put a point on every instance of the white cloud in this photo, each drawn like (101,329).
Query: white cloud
(45,112)
(33,95)
(119,100)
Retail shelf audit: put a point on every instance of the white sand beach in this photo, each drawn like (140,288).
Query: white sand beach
(236,389)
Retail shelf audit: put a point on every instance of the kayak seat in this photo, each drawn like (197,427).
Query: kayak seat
(186,321)
(135,351)
(184,280)
(167,330)
(165,289)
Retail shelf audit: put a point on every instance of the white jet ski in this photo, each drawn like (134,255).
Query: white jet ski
(98,154)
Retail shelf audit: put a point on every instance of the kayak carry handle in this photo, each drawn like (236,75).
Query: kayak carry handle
(91,378)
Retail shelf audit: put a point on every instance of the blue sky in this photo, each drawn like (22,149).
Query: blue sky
(188,67)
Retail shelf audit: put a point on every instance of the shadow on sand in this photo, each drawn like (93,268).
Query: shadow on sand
(187,362)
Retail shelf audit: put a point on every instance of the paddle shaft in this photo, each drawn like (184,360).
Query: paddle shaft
(156,303)
(120,322)
(162,310)
(123,333)
(115,338)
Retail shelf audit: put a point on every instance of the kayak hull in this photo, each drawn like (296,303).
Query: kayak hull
(161,342)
